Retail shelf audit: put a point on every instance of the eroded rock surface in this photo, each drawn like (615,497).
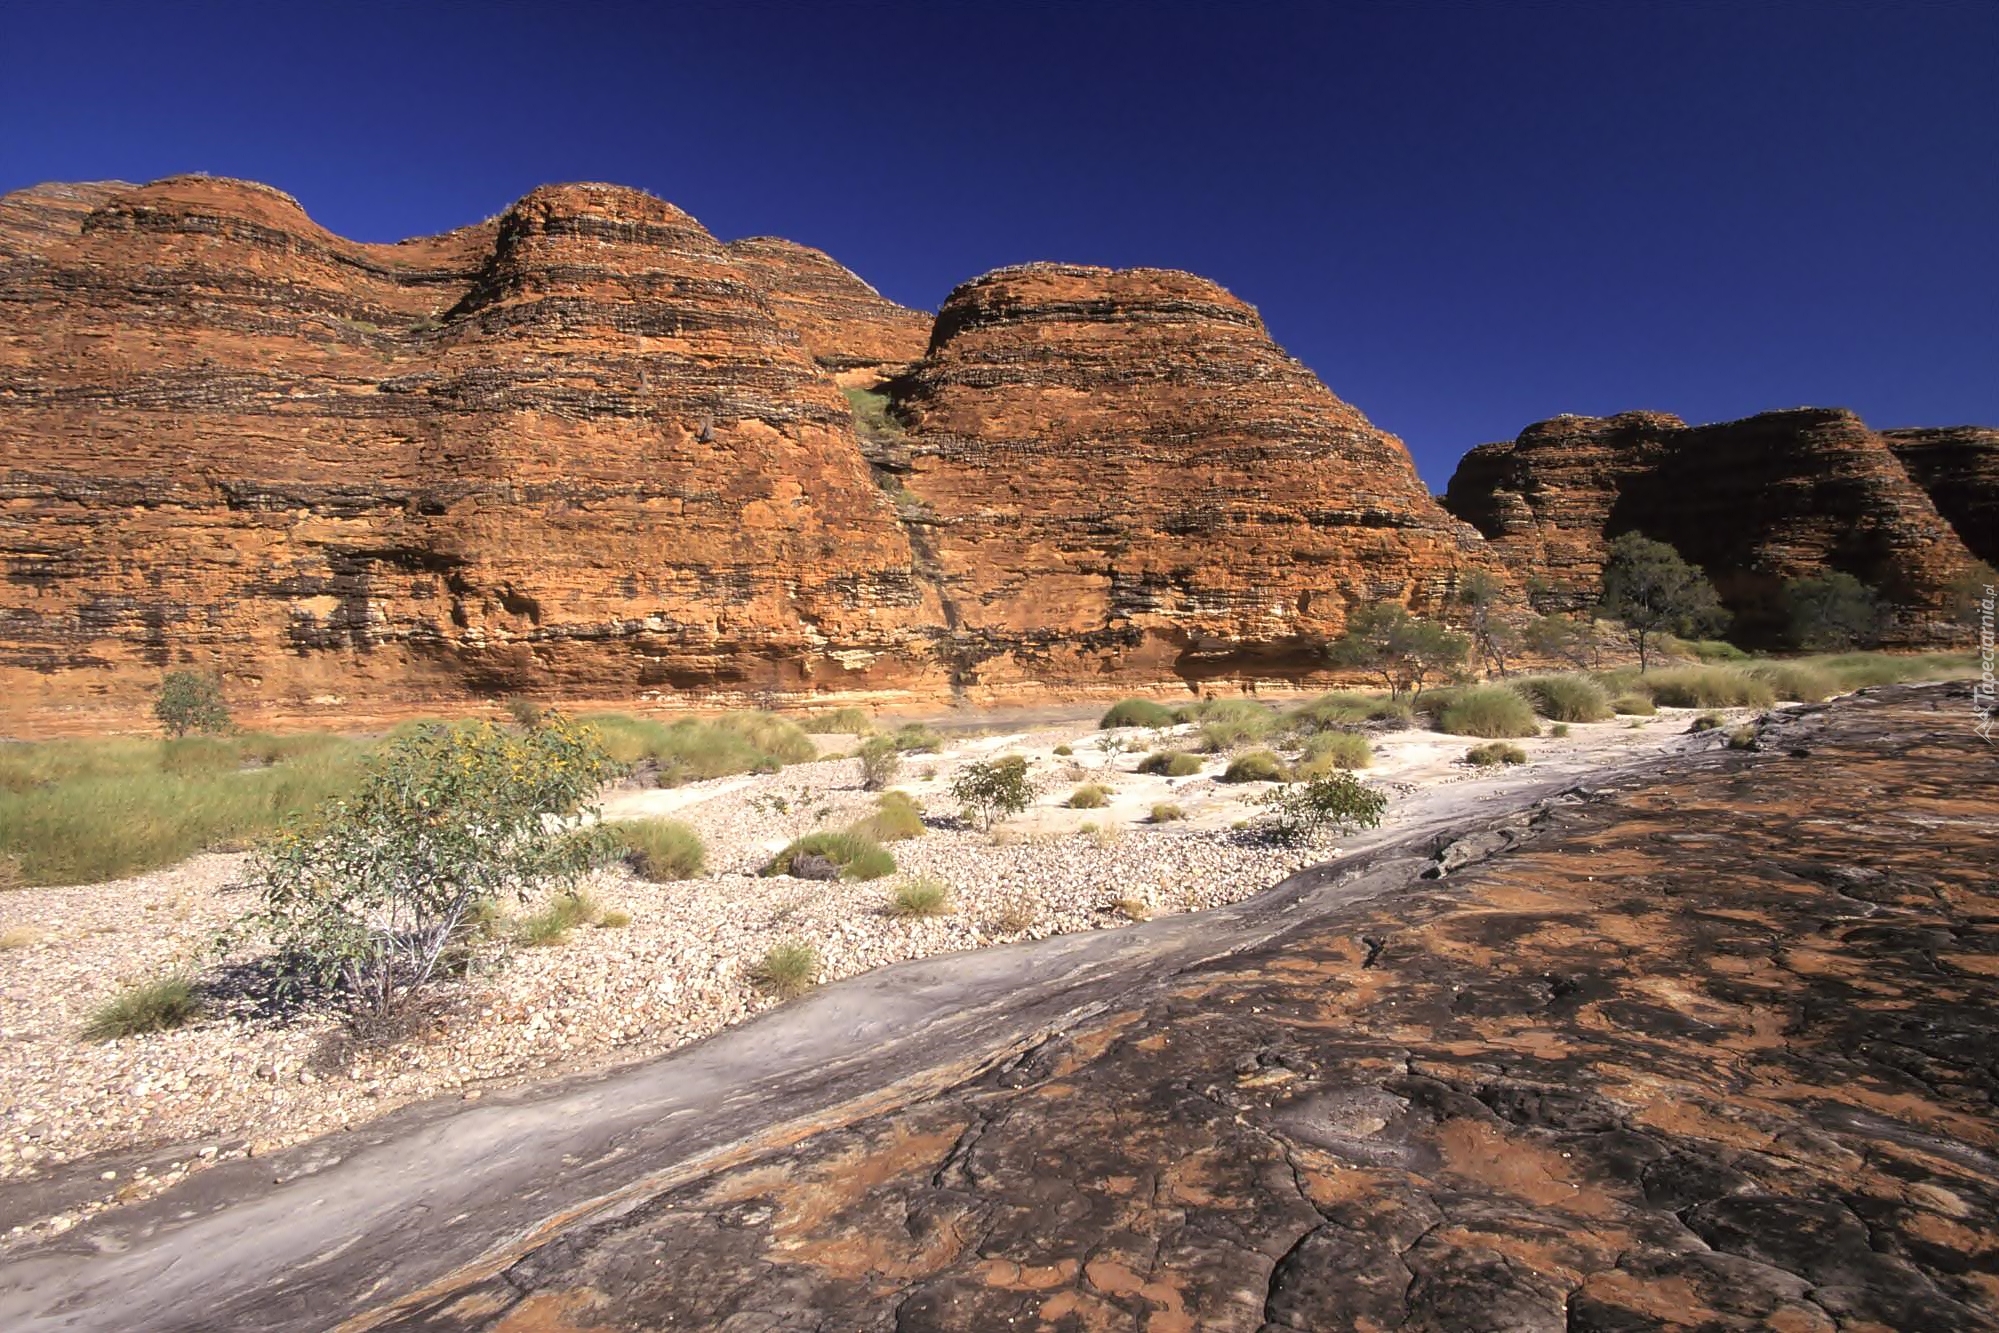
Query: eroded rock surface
(1959,467)
(1755,502)
(844,324)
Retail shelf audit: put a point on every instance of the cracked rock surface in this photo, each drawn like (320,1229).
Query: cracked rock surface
(1706,1050)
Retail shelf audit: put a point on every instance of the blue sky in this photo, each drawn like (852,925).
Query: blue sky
(1464,217)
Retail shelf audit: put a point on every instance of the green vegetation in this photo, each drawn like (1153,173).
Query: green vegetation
(159,1005)
(1255,766)
(1385,640)
(1856,671)
(1487,710)
(1651,591)
(1090,796)
(1346,708)
(1327,751)
(1136,713)
(915,738)
(1706,722)
(1570,698)
(1832,611)
(841,721)
(525,712)
(1709,687)
(1480,595)
(1300,810)
(994,789)
(880,762)
(897,818)
(191,701)
(919,898)
(552,924)
(1228,723)
(787,970)
(1166,813)
(1796,680)
(371,895)
(857,855)
(661,850)
(614,920)
(1634,705)
(1171,763)
(873,416)
(1493,753)
(692,749)
(1575,640)
(1744,737)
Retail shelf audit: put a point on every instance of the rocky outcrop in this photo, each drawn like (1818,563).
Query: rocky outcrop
(1959,467)
(570,450)
(1755,502)
(843,324)
(1119,472)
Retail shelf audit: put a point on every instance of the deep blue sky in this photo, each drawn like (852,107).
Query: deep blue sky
(1464,217)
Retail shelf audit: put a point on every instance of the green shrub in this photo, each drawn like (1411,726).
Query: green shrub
(839,722)
(525,712)
(1634,705)
(787,970)
(1298,811)
(692,749)
(614,920)
(915,738)
(1744,737)
(1797,680)
(857,855)
(552,924)
(919,898)
(880,762)
(1255,766)
(191,701)
(1171,763)
(1089,796)
(1709,687)
(1487,710)
(1495,752)
(1326,751)
(159,1005)
(1706,722)
(1065,750)
(1559,730)
(1571,698)
(1346,708)
(897,818)
(994,789)
(1167,813)
(1227,723)
(1136,713)
(661,850)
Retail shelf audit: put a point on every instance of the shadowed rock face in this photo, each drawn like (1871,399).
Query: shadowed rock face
(1118,468)
(1708,1053)
(1755,502)
(1959,467)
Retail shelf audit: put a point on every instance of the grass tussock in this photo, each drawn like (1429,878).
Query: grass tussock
(1227,724)
(1487,710)
(919,898)
(614,920)
(1709,687)
(1171,763)
(693,749)
(1567,698)
(1798,681)
(897,818)
(857,855)
(1167,813)
(1133,909)
(1136,713)
(18,937)
(661,850)
(787,970)
(1328,751)
(1634,705)
(1255,766)
(159,1005)
(551,925)
(838,722)
(1706,722)
(915,738)
(1090,796)
(1347,708)
(1495,753)
(1744,737)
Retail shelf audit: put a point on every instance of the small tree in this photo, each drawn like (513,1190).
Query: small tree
(994,789)
(880,762)
(379,889)
(1831,612)
(191,701)
(1385,640)
(1299,811)
(1652,591)
(1479,593)
(1575,640)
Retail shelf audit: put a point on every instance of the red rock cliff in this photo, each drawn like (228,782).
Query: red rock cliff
(842,323)
(1959,467)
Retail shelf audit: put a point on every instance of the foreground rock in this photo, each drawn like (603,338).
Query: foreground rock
(1701,1051)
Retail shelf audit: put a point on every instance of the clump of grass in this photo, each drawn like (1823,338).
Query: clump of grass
(18,937)
(552,924)
(1327,751)
(1494,753)
(1089,796)
(1255,766)
(838,722)
(1567,698)
(1136,713)
(857,855)
(1487,710)
(1559,730)
(661,850)
(1346,708)
(1166,813)
(1744,737)
(897,818)
(1709,687)
(1706,722)
(693,749)
(919,898)
(1634,705)
(159,1005)
(1065,750)
(1171,763)
(1797,680)
(614,920)
(915,738)
(1228,723)
(1711,650)
(1019,912)
(1857,671)
(1133,909)
(787,970)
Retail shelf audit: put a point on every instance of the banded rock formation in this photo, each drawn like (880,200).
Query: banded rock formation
(1119,472)
(1959,467)
(843,324)
(1755,502)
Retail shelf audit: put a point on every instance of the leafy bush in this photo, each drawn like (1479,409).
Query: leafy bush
(1833,610)
(897,818)
(1651,591)
(919,898)
(1346,708)
(371,895)
(1634,705)
(661,850)
(857,855)
(880,762)
(1796,680)
(1495,752)
(159,1005)
(1330,750)
(552,924)
(191,701)
(841,721)
(1167,813)
(1255,766)
(1171,763)
(1487,710)
(1136,713)
(1089,796)
(1385,640)
(915,738)
(787,970)
(1300,810)
(993,789)
(1567,698)
(1710,687)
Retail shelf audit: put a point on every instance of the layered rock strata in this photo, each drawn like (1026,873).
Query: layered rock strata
(845,325)
(1959,467)
(1755,502)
